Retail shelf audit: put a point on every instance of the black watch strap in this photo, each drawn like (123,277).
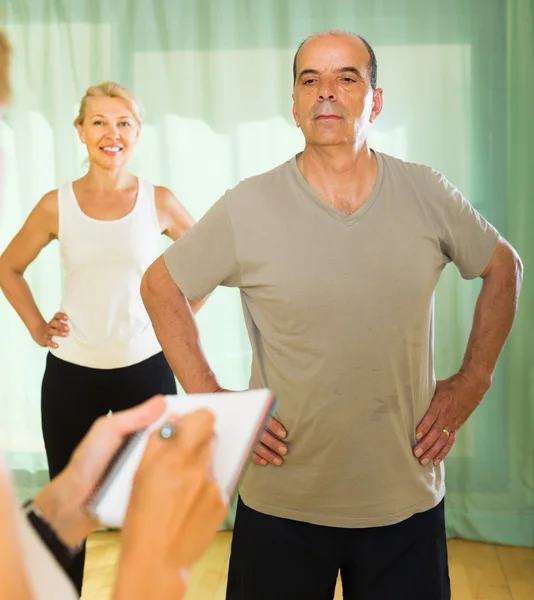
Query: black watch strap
(62,553)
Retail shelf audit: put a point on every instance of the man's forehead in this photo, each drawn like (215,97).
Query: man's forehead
(333,69)
(332,52)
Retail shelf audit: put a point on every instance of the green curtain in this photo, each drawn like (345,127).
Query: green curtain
(491,488)
(215,79)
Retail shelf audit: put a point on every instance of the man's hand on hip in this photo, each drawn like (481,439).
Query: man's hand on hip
(454,400)
(271,449)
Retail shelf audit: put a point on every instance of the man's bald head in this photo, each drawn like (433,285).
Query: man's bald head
(373,68)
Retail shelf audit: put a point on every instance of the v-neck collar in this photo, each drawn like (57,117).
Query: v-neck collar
(357,215)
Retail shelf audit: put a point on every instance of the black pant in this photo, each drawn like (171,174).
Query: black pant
(282,559)
(73,397)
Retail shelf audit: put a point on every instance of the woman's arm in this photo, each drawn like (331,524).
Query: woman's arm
(40,228)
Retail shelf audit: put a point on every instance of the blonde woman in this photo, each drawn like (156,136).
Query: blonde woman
(103,352)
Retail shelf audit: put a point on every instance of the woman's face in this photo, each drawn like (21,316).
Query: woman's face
(110,131)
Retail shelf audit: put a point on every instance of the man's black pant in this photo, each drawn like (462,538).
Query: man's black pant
(282,559)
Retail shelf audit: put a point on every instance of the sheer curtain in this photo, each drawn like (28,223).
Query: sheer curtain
(215,79)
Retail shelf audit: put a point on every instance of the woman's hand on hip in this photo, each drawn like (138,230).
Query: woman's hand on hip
(57,327)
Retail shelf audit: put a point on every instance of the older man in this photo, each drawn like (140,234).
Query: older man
(337,254)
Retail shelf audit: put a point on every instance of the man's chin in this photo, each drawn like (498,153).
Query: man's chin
(329,141)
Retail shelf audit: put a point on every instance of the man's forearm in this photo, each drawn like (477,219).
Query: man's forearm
(176,330)
(494,314)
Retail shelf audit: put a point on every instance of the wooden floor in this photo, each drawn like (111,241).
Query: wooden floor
(478,571)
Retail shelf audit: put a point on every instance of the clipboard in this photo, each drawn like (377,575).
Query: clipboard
(240,420)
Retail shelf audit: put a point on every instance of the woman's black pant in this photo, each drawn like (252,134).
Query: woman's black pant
(73,397)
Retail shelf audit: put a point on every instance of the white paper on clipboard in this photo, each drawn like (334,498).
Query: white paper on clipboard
(240,418)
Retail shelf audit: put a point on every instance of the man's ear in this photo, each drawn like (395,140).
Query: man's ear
(378,104)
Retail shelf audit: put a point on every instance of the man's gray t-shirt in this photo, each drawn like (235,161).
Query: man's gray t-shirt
(339,311)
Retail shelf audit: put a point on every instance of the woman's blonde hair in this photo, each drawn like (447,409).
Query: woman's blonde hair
(5,63)
(109,89)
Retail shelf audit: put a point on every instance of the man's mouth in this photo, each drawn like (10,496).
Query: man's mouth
(327,117)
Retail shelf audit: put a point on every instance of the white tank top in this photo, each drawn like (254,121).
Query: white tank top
(104,262)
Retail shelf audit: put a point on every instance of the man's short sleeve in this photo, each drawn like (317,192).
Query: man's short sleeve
(205,256)
(466,238)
